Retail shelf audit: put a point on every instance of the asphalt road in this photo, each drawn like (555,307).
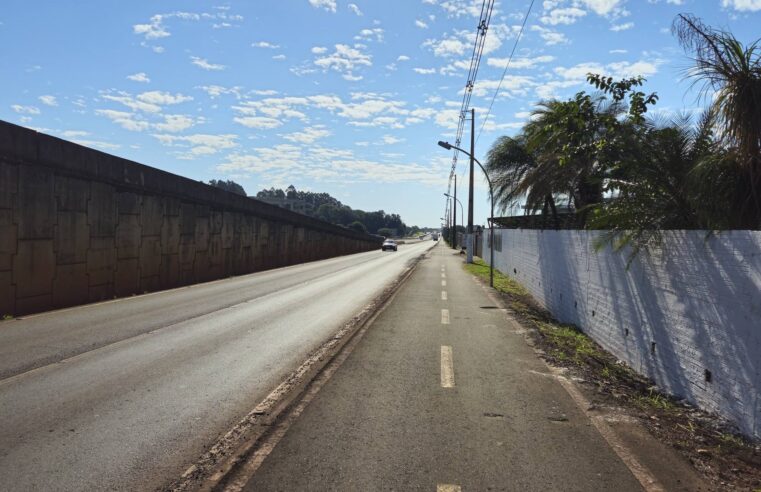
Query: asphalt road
(440,395)
(126,394)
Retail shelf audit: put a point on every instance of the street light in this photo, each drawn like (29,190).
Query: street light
(449,146)
(462,214)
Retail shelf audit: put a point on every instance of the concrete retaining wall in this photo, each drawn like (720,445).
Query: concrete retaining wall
(688,315)
(78,225)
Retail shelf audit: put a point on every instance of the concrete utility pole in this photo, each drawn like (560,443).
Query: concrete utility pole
(469,242)
(454,216)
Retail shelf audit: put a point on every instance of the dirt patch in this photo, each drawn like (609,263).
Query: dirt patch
(724,457)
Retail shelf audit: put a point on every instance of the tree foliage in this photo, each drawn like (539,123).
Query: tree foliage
(325,207)
(635,175)
(228,185)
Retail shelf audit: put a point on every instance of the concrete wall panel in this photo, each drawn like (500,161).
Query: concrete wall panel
(691,306)
(78,225)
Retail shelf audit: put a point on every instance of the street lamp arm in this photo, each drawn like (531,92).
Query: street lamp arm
(449,146)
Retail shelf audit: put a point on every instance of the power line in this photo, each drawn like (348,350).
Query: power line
(507,65)
(487,8)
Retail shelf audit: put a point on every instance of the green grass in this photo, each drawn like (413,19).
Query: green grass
(6,317)
(502,282)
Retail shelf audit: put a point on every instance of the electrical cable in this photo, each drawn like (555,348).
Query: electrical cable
(507,65)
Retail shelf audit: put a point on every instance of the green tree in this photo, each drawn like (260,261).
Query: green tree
(357,226)
(228,185)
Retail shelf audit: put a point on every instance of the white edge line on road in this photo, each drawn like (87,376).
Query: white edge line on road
(447,367)
(443,295)
(443,283)
(445,316)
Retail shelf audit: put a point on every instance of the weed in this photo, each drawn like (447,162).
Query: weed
(733,440)
(654,400)
(6,317)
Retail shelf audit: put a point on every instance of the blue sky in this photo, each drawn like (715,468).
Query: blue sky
(344,97)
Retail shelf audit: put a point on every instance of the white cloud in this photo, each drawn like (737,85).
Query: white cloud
(622,27)
(174,123)
(135,105)
(279,57)
(25,109)
(355,9)
(742,5)
(375,33)
(203,63)
(284,162)
(139,77)
(518,63)
(319,50)
(153,30)
(402,58)
(421,24)
(161,98)
(308,135)
(215,91)
(259,122)
(48,100)
(156,27)
(549,36)
(603,7)
(424,71)
(562,16)
(458,8)
(197,145)
(345,59)
(128,121)
(265,44)
(329,5)
(390,139)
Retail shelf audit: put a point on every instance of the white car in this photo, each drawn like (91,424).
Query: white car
(389,244)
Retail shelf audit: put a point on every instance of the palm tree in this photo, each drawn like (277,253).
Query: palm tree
(655,190)
(514,173)
(731,75)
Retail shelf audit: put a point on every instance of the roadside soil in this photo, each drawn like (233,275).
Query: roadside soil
(725,458)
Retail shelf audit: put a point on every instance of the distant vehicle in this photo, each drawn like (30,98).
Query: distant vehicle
(389,244)
(435,236)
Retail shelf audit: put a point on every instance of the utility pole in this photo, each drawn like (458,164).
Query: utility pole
(454,215)
(469,242)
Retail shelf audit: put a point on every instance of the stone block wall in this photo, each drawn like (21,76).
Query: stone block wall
(687,315)
(78,226)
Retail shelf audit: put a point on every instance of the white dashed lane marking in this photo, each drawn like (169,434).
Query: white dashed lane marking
(446,487)
(445,316)
(443,295)
(447,367)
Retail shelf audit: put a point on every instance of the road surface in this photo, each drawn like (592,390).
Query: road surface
(127,394)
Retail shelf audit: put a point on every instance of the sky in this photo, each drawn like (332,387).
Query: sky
(343,97)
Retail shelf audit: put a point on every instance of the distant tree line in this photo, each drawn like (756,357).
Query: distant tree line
(325,207)
(228,185)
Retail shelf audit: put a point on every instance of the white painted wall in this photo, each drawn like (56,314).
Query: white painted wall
(698,299)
